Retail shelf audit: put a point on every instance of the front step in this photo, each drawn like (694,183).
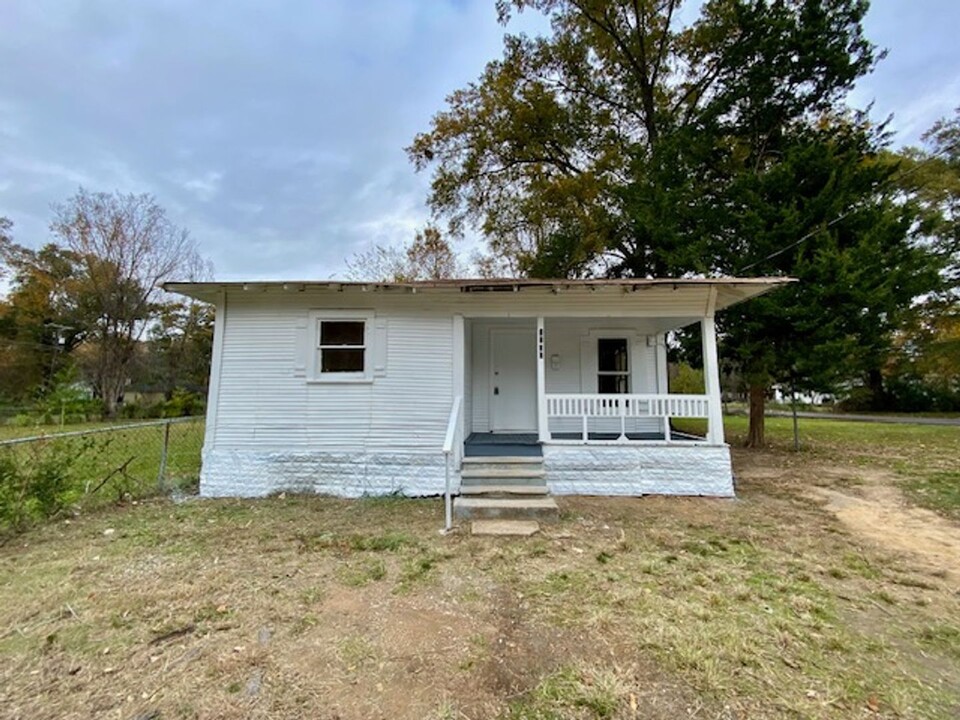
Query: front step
(515,464)
(502,471)
(499,490)
(508,474)
(504,488)
(502,528)
(539,508)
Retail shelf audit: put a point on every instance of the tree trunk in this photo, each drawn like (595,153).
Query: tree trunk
(755,435)
(878,400)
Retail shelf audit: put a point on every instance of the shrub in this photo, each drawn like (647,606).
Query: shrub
(37,482)
(687,381)
(184,403)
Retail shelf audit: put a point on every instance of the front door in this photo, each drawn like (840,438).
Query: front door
(513,380)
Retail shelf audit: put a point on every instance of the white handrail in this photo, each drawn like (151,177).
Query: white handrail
(449,444)
(632,405)
(584,406)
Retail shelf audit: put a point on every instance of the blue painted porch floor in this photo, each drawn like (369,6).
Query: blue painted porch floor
(527,444)
(502,444)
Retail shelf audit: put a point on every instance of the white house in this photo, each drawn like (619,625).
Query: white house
(359,388)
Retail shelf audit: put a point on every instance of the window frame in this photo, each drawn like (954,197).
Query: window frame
(317,318)
(628,373)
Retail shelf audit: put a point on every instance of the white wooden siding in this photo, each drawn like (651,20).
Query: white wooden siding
(265,402)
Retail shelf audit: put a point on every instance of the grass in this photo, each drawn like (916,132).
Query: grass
(114,466)
(767,606)
(923,456)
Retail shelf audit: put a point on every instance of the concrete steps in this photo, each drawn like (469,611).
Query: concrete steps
(506,508)
(505,528)
(504,488)
(492,490)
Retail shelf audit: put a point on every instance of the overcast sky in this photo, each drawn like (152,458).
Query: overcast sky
(275,131)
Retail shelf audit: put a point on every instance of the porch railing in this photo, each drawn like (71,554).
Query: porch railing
(608,409)
(452,444)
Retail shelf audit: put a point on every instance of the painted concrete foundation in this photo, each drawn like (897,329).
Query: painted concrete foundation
(570,470)
(239,473)
(638,470)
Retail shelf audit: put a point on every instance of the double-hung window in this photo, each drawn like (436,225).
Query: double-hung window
(613,366)
(342,348)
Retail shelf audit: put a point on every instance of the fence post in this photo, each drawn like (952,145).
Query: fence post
(162,473)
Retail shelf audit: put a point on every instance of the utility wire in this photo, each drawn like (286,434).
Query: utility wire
(844,214)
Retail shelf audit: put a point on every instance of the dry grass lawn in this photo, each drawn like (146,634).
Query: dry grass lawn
(782,604)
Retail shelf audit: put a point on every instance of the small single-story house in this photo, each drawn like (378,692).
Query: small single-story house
(373,388)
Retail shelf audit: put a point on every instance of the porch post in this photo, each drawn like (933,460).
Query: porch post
(711,378)
(542,430)
(459,376)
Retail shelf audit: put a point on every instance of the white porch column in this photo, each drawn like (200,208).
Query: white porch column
(459,376)
(542,429)
(711,378)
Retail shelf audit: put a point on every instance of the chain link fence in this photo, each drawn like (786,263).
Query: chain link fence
(44,475)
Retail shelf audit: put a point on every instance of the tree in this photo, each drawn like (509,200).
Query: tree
(925,371)
(41,320)
(627,144)
(428,257)
(126,246)
(180,346)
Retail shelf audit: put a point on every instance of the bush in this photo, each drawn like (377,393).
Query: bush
(182,404)
(67,401)
(36,483)
(687,381)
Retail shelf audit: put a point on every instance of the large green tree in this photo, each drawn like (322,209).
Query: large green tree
(626,143)
(925,371)
(42,318)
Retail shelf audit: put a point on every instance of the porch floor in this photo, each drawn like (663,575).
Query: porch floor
(502,444)
(527,444)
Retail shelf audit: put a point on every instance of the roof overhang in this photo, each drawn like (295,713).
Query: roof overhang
(728,290)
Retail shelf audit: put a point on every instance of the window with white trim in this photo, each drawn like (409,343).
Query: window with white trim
(613,366)
(342,347)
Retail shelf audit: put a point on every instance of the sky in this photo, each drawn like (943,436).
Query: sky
(274,132)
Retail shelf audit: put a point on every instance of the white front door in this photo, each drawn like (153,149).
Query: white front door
(513,380)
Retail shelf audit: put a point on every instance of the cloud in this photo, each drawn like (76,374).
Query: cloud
(274,132)
(205,187)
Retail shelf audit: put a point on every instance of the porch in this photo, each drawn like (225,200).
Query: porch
(577,380)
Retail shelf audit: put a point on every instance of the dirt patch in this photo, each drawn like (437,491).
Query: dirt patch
(880,513)
(869,503)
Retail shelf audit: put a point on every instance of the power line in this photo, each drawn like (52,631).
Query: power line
(845,214)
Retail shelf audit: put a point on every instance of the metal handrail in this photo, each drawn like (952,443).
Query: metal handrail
(449,444)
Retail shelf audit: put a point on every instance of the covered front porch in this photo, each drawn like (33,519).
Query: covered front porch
(580,380)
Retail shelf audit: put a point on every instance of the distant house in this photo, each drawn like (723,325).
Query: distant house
(356,388)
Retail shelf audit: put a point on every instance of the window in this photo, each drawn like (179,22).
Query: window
(342,348)
(613,366)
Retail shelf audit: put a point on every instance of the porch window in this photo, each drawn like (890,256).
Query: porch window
(342,347)
(613,366)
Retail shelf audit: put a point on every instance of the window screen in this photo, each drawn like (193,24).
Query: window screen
(342,346)
(613,366)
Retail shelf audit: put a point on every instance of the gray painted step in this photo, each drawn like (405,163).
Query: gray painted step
(540,482)
(502,459)
(496,463)
(541,508)
(503,489)
(495,473)
(515,528)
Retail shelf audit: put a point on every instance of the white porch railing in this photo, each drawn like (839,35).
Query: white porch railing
(452,447)
(587,407)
